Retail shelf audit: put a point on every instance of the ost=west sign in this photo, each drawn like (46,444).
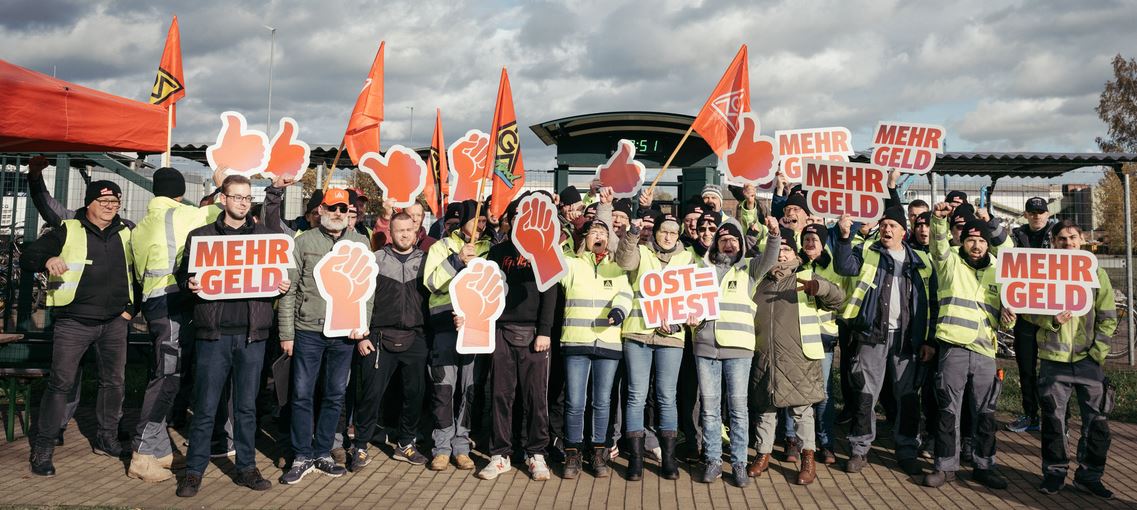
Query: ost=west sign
(675,294)
(1047,282)
(833,189)
(240,266)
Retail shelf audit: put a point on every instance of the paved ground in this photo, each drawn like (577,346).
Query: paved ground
(89,480)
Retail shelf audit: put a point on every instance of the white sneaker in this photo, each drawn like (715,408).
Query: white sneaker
(537,467)
(498,464)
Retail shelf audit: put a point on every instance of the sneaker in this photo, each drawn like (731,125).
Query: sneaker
(1093,487)
(463,461)
(856,463)
(300,467)
(188,486)
(357,459)
(712,472)
(499,464)
(538,469)
(440,462)
(252,479)
(408,453)
(741,478)
(1021,424)
(329,466)
(107,444)
(1035,425)
(1051,484)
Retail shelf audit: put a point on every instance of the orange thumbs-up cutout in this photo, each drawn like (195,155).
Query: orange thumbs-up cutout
(622,172)
(345,278)
(288,157)
(478,296)
(537,234)
(466,157)
(400,173)
(751,158)
(238,150)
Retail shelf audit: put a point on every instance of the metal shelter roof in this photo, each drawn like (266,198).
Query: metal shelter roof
(1018,164)
(553,130)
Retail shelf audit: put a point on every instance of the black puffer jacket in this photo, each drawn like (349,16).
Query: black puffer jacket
(400,296)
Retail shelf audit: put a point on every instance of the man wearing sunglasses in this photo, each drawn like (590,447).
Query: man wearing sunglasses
(91,289)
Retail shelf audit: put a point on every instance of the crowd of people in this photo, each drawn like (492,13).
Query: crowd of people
(909,302)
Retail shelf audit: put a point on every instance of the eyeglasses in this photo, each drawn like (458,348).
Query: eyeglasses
(109,203)
(240,198)
(337,208)
(709,229)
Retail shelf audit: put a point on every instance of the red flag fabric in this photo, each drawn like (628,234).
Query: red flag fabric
(504,157)
(436,190)
(717,121)
(169,84)
(362,134)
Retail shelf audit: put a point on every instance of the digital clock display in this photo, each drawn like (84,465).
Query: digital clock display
(645,145)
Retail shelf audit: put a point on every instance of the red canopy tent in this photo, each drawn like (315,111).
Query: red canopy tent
(39,113)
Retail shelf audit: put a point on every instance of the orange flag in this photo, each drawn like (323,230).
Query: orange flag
(717,121)
(169,85)
(362,134)
(504,157)
(436,189)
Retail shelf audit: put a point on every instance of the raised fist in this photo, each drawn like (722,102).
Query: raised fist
(845,225)
(287,157)
(467,155)
(622,172)
(536,232)
(942,210)
(345,278)
(606,195)
(400,173)
(36,165)
(751,157)
(478,296)
(238,150)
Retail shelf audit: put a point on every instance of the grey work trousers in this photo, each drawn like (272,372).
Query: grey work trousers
(169,328)
(874,366)
(961,369)
(1056,383)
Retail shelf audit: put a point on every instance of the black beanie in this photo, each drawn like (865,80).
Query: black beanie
(570,195)
(818,230)
(623,205)
(169,182)
(897,214)
(951,197)
(99,189)
(659,218)
(713,217)
(799,201)
(469,209)
(963,214)
(975,227)
(453,211)
(924,218)
(314,201)
(691,207)
(788,238)
(731,228)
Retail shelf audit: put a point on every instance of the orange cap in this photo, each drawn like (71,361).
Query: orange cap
(336,196)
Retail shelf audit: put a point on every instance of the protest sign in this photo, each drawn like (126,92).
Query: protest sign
(400,173)
(287,157)
(466,157)
(478,296)
(240,266)
(795,145)
(345,278)
(752,157)
(907,147)
(674,294)
(622,172)
(1047,282)
(238,149)
(834,188)
(537,234)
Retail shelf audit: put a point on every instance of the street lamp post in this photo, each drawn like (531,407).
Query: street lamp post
(271,51)
(412,134)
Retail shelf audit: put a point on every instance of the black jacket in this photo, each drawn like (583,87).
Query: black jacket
(400,296)
(1024,237)
(524,304)
(103,292)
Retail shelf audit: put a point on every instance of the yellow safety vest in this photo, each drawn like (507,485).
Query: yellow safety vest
(61,289)
(591,292)
(867,280)
(735,326)
(650,262)
(1088,335)
(809,321)
(437,271)
(829,317)
(970,305)
(160,240)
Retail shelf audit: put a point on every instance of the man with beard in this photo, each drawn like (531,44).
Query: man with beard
(231,336)
(724,348)
(970,314)
(786,369)
(890,313)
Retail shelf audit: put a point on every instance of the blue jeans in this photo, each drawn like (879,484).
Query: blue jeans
(824,414)
(311,350)
(218,361)
(735,373)
(603,372)
(638,358)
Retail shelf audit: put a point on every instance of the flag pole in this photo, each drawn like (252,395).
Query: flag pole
(655,181)
(169,134)
(335,161)
(478,209)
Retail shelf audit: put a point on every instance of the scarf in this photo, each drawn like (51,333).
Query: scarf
(782,270)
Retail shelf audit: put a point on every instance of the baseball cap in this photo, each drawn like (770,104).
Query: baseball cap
(337,196)
(1036,205)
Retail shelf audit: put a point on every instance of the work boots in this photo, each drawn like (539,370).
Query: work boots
(600,458)
(41,460)
(669,468)
(636,456)
(572,461)
(808,471)
(149,468)
(760,465)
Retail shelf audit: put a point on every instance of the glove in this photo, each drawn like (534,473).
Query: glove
(616,317)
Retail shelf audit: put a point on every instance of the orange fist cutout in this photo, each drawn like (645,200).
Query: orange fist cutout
(238,150)
(288,157)
(345,278)
(478,296)
(751,158)
(400,173)
(536,234)
(622,172)
(467,155)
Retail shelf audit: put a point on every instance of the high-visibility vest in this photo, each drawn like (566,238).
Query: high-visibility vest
(591,292)
(1088,335)
(61,289)
(159,242)
(970,306)
(735,326)
(867,280)
(437,271)
(829,317)
(809,321)
(650,262)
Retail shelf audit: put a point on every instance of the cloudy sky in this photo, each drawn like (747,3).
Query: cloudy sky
(1000,75)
